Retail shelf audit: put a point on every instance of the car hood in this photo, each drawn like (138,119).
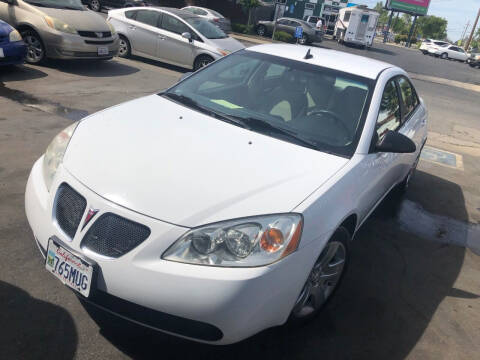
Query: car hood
(83,20)
(169,162)
(5,29)
(228,43)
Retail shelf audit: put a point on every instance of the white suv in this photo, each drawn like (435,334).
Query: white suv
(428,43)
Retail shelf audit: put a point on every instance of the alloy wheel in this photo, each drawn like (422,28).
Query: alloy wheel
(123,47)
(322,281)
(303,40)
(261,30)
(444,56)
(35,51)
(95,5)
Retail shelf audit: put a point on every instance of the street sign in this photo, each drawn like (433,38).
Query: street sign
(414,7)
(298,32)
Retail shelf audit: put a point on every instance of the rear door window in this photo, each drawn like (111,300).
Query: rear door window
(148,17)
(131,14)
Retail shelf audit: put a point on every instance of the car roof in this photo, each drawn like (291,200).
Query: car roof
(332,59)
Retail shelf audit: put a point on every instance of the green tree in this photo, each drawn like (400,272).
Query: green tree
(432,27)
(249,5)
(399,26)
(383,18)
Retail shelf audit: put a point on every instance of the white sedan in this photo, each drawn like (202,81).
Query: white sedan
(226,204)
(448,52)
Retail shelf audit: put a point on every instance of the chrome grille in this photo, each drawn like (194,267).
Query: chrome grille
(114,236)
(69,209)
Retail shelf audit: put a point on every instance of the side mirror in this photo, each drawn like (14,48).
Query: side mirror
(394,142)
(188,36)
(185,75)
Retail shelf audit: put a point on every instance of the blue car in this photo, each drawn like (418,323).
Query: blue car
(12,48)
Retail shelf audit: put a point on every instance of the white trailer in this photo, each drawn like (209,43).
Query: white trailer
(356,25)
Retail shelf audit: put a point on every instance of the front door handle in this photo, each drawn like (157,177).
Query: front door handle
(161,37)
(131,27)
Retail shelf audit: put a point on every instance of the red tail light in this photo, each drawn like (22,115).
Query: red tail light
(216,19)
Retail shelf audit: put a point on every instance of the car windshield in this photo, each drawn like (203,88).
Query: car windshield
(206,28)
(58,4)
(308,105)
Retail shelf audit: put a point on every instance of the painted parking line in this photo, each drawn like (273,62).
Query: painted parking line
(442,157)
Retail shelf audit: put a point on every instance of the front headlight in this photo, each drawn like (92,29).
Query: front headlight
(54,155)
(254,241)
(59,25)
(14,36)
(112,29)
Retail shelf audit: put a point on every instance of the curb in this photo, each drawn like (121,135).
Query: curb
(253,38)
(442,81)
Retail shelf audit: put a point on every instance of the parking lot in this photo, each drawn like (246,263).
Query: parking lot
(412,288)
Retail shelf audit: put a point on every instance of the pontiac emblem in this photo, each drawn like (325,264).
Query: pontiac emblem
(91,213)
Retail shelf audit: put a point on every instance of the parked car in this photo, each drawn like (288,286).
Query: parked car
(170,35)
(288,25)
(212,210)
(97,5)
(12,47)
(211,15)
(474,59)
(61,29)
(427,43)
(448,52)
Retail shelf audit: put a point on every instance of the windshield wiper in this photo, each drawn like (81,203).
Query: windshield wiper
(189,102)
(259,124)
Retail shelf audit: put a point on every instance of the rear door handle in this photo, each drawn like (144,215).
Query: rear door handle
(161,37)
(131,27)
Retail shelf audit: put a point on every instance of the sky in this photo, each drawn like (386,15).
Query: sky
(457,12)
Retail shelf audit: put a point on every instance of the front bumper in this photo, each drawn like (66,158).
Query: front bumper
(233,303)
(14,53)
(69,46)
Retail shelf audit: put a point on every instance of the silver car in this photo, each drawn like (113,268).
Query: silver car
(62,29)
(170,35)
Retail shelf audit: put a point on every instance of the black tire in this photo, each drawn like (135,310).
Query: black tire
(201,61)
(303,40)
(298,316)
(261,30)
(95,5)
(124,48)
(444,56)
(36,53)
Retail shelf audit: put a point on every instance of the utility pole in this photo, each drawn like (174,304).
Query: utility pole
(473,31)
(388,27)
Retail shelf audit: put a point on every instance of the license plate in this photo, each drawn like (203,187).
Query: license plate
(102,50)
(1,53)
(68,268)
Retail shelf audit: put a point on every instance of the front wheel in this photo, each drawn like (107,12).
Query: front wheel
(35,48)
(261,30)
(202,61)
(95,5)
(303,40)
(324,278)
(124,49)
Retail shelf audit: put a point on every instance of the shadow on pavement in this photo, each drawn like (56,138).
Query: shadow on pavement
(160,64)
(91,68)
(34,329)
(19,73)
(393,287)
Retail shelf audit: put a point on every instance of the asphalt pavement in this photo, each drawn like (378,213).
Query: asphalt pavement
(412,289)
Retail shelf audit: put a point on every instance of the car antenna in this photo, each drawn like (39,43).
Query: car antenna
(308,55)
